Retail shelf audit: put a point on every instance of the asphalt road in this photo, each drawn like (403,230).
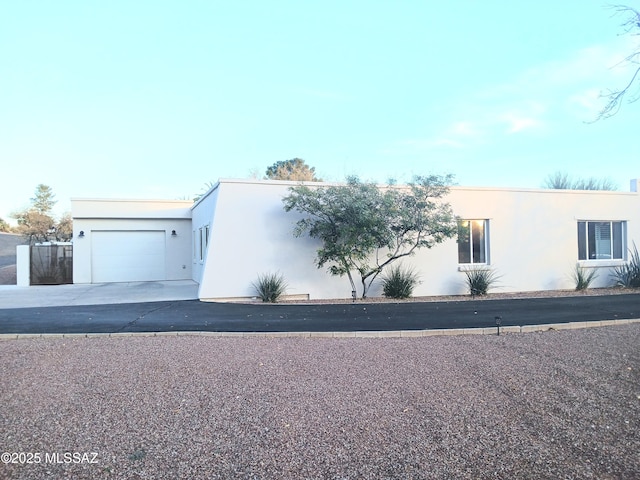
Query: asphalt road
(193,315)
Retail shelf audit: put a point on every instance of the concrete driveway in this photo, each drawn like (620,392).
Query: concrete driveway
(12,296)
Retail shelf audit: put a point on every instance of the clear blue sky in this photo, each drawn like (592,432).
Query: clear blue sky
(153,99)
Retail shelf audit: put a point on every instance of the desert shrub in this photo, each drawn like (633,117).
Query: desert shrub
(583,277)
(270,287)
(399,282)
(480,280)
(628,275)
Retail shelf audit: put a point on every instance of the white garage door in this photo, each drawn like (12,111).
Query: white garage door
(127,256)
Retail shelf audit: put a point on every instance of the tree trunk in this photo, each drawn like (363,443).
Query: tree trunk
(353,285)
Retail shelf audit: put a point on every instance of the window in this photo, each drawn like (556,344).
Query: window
(201,244)
(472,241)
(601,240)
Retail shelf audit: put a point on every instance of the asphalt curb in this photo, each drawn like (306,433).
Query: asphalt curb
(354,334)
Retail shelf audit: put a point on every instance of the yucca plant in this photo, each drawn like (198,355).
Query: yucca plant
(399,282)
(583,277)
(270,287)
(628,275)
(480,280)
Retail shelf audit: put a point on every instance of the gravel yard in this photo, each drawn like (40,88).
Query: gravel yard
(589,292)
(557,405)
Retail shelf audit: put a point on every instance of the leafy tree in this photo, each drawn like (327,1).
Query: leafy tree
(36,222)
(614,98)
(364,228)
(563,181)
(294,169)
(4,226)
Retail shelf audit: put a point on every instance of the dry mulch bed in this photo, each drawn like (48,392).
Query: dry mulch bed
(489,296)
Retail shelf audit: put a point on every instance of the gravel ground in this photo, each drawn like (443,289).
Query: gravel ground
(589,292)
(553,405)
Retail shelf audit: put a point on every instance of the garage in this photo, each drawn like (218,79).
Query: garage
(128,256)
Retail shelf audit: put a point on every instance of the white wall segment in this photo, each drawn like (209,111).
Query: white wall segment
(23,265)
(202,214)
(251,235)
(128,208)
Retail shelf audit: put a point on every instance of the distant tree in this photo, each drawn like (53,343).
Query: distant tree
(294,169)
(4,226)
(557,181)
(593,183)
(36,222)
(35,226)
(364,228)
(63,230)
(631,25)
(43,201)
(563,181)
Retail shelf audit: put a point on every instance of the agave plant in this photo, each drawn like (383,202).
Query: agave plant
(583,278)
(628,275)
(270,287)
(399,282)
(480,280)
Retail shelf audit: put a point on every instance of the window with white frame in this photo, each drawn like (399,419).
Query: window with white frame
(472,241)
(601,240)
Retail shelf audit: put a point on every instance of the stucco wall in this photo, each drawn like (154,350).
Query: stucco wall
(251,235)
(130,208)
(532,237)
(532,244)
(202,214)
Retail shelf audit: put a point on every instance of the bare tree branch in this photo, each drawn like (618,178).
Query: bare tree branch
(615,97)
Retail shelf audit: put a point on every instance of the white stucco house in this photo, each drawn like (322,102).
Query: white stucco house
(532,238)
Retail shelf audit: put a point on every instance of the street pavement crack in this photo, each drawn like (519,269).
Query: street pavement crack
(140,317)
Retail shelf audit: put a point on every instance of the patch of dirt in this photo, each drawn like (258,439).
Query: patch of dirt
(462,298)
